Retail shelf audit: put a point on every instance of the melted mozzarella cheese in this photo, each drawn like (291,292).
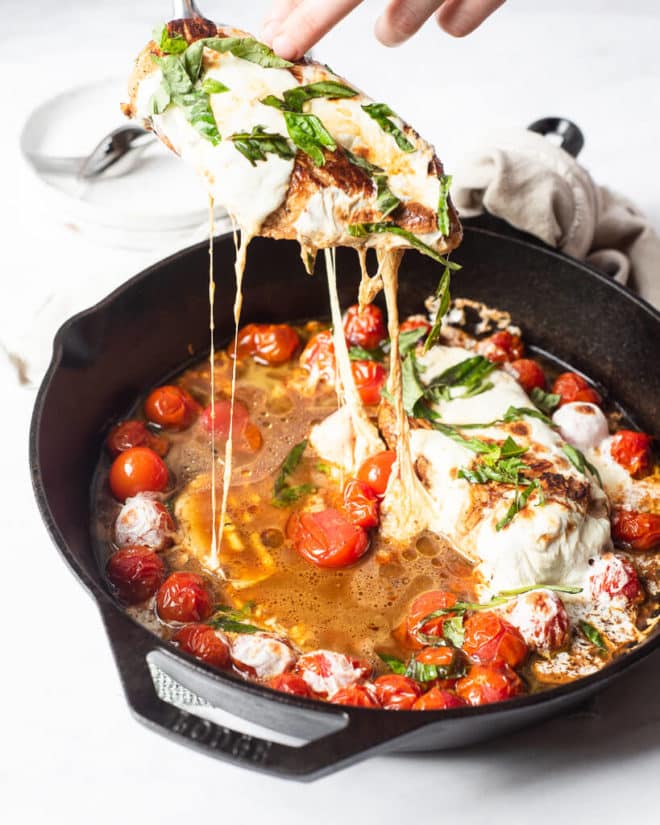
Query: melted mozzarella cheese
(621,488)
(582,425)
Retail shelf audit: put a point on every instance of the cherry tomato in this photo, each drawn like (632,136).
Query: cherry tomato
(135,434)
(490,638)
(530,374)
(171,407)
(318,358)
(136,572)
(245,435)
(485,684)
(632,450)
(423,606)
(356,695)
(328,539)
(202,642)
(615,578)
(502,346)
(145,521)
(268,343)
(327,672)
(183,597)
(415,322)
(137,470)
(376,471)
(573,387)
(397,692)
(290,683)
(369,377)
(442,656)
(639,530)
(361,504)
(438,699)
(541,618)
(366,328)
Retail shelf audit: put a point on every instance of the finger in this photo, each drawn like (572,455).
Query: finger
(307,24)
(402,18)
(273,21)
(461,17)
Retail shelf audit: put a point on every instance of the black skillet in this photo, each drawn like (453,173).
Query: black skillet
(157,323)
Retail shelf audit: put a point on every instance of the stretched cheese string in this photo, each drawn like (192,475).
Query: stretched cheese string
(214,538)
(369,286)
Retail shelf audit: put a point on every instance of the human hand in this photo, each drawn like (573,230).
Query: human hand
(294,26)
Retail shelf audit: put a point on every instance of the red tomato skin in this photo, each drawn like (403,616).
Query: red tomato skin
(396,692)
(423,605)
(183,597)
(632,450)
(318,358)
(573,387)
(134,433)
(361,504)
(376,471)
(615,577)
(490,638)
(369,377)
(641,531)
(502,346)
(290,683)
(272,344)
(136,572)
(438,699)
(202,642)
(327,538)
(359,696)
(171,407)
(137,470)
(415,323)
(364,328)
(485,684)
(529,373)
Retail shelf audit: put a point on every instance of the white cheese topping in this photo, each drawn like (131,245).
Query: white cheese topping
(582,425)
(264,654)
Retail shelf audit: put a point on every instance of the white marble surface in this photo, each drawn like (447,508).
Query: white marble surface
(69,750)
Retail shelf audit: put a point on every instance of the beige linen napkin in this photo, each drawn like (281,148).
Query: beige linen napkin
(539,188)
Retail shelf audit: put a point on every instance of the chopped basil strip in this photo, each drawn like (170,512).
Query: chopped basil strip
(519,503)
(247,48)
(283,493)
(409,338)
(258,143)
(232,620)
(427,673)
(593,635)
(556,588)
(443,205)
(444,299)
(469,373)
(382,113)
(361,230)
(174,43)
(362,163)
(213,87)
(386,202)
(546,402)
(413,389)
(580,463)
(361,354)
(309,135)
(394,664)
(296,97)
(453,631)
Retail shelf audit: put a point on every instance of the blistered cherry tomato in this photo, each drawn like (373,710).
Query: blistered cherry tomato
(202,642)
(614,578)
(183,597)
(361,504)
(423,606)
(171,407)
(438,699)
(485,684)
(632,450)
(573,387)
(415,322)
(364,328)
(359,696)
(369,377)
(137,470)
(245,434)
(490,638)
(326,672)
(541,618)
(376,471)
(397,692)
(135,434)
(502,346)
(318,358)
(328,539)
(268,343)
(290,683)
(639,530)
(146,521)
(136,572)
(442,656)
(530,374)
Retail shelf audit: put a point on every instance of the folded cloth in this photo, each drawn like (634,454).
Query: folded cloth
(539,188)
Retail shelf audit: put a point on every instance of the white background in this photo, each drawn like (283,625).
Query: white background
(69,751)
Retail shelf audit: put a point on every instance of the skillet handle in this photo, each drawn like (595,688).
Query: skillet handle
(361,735)
(572,139)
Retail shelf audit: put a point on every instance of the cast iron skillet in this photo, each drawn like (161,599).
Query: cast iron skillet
(157,323)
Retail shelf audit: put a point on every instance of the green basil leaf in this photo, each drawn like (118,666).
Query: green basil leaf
(517,413)
(258,143)
(546,402)
(175,75)
(361,354)
(386,202)
(230,625)
(409,338)
(362,163)
(444,300)
(381,113)
(519,502)
(362,230)
(213,87)
(579,461)
(443,205)
(197,109)
(309,135)
(413,389)
(192,60)
(283,493)
(453,631)
(247,48)
(289,495)
(296,97)
(593,635)
(394,664)
(174,43)
(557,588)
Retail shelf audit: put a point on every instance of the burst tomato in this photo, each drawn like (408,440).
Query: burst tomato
(573,387)
(136,572)
(376,471)
(438,699)
(290,683)
(530,374)
(614,578)
(359,696)
(369,377)
(423,606)
(632,450)
(137,470)
(502,346)
(364,328)
(245,435)
(318,358)
(268,343)
(183,597)
(485,684)
(490,638)
(202,642)
(171,407)
(135,434)
(361,504)
(397,692)
(328,538)
(639,530)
